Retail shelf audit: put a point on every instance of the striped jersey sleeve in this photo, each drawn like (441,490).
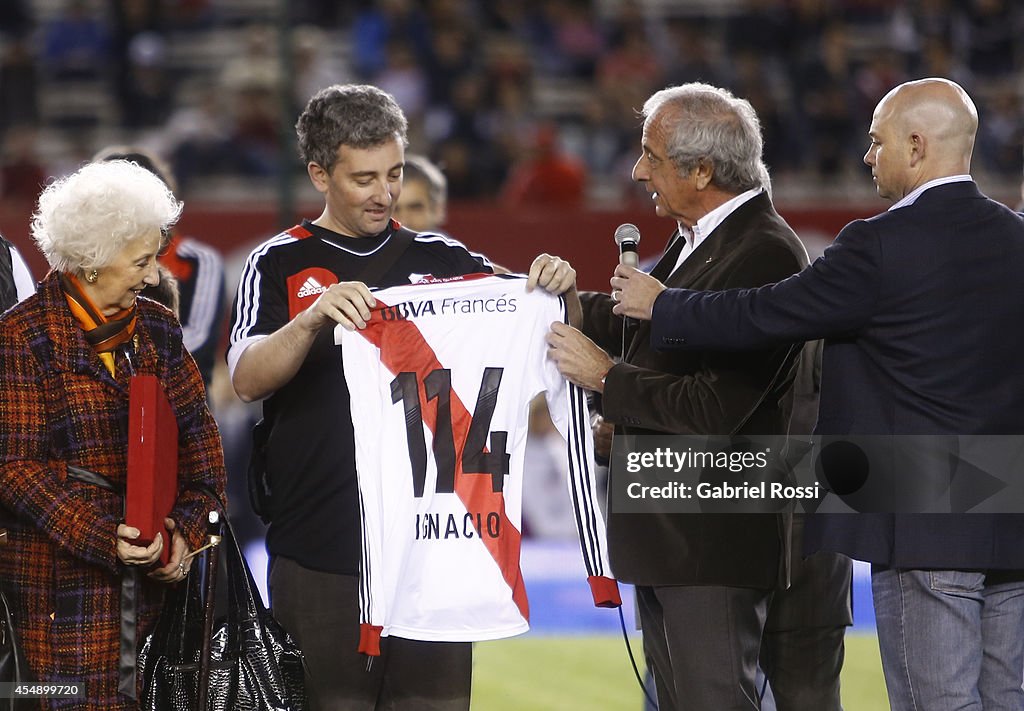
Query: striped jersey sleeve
(261,304)
(199,325)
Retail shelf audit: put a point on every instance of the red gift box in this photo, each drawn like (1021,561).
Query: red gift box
(152,486)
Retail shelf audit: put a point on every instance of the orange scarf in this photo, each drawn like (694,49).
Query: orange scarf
(103,333)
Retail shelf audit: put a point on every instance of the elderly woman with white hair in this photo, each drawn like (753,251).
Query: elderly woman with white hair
(66,356)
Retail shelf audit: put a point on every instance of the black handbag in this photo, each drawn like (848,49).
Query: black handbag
(13,669)
(254,663)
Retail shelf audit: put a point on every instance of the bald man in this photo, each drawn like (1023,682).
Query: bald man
(921,311)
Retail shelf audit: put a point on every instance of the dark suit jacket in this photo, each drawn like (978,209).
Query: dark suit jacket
(702,393)
(921,309)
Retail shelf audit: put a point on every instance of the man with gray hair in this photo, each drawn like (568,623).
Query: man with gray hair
(704,581)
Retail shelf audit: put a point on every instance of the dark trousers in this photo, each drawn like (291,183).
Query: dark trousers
(702,642)
(321,611)
(802,649)
(802,666)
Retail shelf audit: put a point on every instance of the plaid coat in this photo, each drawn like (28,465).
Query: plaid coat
(58,406)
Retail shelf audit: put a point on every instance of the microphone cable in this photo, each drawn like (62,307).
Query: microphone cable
(632,661)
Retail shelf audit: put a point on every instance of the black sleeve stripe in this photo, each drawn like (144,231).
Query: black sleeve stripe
(579,471)
(583,482)
(247,306)
(365,590)
(581,476)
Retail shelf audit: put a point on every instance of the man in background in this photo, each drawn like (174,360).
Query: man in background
(423,203)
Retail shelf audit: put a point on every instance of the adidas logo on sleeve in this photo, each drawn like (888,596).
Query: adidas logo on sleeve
(305,286)
(311,287)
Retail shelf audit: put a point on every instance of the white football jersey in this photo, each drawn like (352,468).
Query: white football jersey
(441,381)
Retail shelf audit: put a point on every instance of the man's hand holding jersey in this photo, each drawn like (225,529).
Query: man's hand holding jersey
(271,361)
(347,303)
(555,275)
(578,358)
(552,274)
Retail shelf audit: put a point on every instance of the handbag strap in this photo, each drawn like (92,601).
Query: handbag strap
(776,379)
(94,478)
(129,593)
(385,258)
(243,587)
(9,640)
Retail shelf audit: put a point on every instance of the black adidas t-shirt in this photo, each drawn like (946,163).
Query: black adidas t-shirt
(310,451)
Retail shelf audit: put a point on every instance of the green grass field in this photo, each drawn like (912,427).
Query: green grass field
(538,673)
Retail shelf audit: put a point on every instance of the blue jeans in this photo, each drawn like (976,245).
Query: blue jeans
(949,641)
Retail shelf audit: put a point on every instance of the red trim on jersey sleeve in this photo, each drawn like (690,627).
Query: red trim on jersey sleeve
(404,349)
(605,591)
(299,232)
(369,639)
(180,268)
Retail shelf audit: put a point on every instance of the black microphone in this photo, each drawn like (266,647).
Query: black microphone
(627,236)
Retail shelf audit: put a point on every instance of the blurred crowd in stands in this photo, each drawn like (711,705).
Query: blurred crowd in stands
(530,101)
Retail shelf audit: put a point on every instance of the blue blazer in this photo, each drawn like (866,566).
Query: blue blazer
(921,311)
